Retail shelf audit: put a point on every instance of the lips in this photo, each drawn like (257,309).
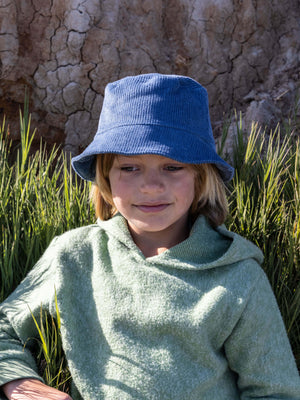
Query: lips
(152,208)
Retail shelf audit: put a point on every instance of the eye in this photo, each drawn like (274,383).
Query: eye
(173,168)
(129,168)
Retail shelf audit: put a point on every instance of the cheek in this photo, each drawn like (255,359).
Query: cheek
(116,185)
(186,191)
(120,194)
(188,196)
(119,203)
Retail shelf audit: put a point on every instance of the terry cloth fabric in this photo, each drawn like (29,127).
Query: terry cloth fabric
(198,321)
(159,114)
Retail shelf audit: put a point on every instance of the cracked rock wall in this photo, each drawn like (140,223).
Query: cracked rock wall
(245,52)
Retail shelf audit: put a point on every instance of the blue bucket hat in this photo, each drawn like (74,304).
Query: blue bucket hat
(158,114)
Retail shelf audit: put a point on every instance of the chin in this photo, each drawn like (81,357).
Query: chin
(150,227)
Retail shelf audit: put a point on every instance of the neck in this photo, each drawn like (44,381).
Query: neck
(154,243)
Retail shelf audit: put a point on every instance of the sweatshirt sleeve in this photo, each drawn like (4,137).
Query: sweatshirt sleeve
(17,328)
(258,349)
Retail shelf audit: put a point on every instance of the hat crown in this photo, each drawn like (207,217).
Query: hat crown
(164,100)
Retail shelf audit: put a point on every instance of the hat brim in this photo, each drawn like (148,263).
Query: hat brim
(149,139)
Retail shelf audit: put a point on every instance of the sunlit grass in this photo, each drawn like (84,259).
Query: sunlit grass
(53,366)
(39,198)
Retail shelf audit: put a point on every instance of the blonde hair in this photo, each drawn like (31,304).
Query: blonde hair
(210,198)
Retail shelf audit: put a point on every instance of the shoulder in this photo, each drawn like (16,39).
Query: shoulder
(115,227)
(76,237)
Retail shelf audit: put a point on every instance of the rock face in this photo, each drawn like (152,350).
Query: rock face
(245,52)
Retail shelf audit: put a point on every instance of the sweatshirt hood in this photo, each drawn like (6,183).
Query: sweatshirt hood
(205,248)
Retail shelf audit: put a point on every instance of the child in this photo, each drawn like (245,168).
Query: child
(158,301)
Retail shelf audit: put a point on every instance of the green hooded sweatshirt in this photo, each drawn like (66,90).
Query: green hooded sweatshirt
(197,322)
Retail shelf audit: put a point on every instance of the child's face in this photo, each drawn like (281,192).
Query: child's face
(152,192)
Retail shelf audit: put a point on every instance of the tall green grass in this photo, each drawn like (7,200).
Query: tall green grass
(41,198)
(53,367)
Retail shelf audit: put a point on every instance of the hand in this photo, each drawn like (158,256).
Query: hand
(32,389)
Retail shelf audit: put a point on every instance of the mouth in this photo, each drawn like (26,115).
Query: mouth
(152,208)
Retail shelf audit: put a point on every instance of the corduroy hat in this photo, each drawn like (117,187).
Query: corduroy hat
(158,114)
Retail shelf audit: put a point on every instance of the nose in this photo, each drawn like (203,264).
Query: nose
(152,182)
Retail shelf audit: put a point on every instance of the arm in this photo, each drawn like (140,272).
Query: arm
(32,389)
(17,328)
(258,349)
(21,363)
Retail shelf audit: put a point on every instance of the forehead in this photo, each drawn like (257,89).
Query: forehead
(146,158)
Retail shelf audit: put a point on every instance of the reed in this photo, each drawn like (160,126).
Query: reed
(53,367)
